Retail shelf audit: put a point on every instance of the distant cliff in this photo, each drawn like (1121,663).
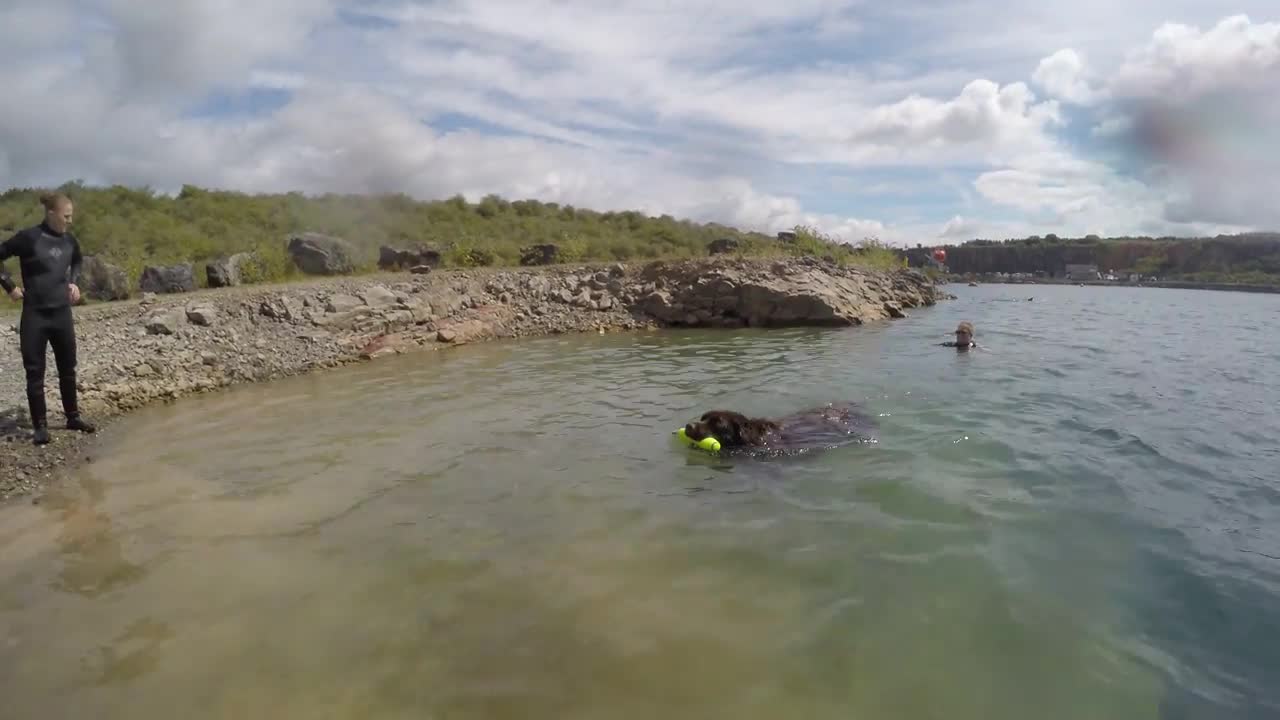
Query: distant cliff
(1252,257)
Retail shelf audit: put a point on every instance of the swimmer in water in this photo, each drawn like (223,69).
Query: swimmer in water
(964,337)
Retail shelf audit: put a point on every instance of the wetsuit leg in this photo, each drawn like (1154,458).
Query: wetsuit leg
(62,336)
(33,339)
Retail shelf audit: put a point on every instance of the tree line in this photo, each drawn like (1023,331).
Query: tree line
(1245,258)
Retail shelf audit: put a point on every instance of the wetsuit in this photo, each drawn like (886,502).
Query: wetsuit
(49,261)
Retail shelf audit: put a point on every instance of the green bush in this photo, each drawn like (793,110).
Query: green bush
(135,227)
(873,253)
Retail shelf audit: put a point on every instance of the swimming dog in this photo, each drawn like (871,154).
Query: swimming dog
(817,428)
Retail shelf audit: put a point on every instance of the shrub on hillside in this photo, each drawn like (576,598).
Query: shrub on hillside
(135,227)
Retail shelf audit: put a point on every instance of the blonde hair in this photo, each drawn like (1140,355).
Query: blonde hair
(53,201)
(965,326)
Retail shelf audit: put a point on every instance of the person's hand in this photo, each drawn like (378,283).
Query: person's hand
(16,294)
(74,291)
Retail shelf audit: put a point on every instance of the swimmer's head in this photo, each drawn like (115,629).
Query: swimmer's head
(964,333)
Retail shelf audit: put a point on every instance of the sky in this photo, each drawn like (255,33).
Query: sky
(912,121)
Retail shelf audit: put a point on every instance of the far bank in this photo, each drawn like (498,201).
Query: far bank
(1166,284)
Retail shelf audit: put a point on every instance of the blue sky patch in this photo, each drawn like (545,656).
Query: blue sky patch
(248,102)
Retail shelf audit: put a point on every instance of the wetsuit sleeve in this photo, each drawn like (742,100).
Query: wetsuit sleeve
(8,249)
(77,262)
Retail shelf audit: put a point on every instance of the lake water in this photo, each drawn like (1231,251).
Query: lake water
(1079,520)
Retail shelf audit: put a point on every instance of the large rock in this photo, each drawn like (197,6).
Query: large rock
(485,325)
(227,272)
(379,296)
(168,279)
(285,307)
(164,323)
(390,258)
(721,246)
(443,302)
(317,254)
(342,303)
(202,315)
(382,345)
(545,254)
(100,280)
(804,291)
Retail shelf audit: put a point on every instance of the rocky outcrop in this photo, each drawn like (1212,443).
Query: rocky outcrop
(721,246)
(228,271)
(390,258)
(316,254)
(100,280)
(166,346)
(782,293)
(166,279)
(543,254)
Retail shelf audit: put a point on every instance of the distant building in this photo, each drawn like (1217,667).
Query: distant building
(1083,272)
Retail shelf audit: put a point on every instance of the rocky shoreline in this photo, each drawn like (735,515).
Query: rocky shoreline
(162,347)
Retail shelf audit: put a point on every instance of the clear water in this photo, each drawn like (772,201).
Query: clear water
(1081,520)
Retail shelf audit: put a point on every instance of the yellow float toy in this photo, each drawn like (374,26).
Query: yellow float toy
(708,444)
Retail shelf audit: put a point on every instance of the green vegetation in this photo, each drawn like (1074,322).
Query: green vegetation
(136,227)
(1251,258)
(869,253)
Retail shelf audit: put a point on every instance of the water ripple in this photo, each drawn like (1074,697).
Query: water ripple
(1076,519)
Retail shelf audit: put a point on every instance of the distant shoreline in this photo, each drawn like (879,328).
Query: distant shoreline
(1167,284)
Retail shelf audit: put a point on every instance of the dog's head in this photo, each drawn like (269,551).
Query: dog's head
(730,428)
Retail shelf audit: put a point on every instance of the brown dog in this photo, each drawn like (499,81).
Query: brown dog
(824,427)
(732,429)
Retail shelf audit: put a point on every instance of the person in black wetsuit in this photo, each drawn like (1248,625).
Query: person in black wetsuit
(49,256)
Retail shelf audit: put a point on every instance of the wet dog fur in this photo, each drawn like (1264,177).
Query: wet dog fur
(823,427)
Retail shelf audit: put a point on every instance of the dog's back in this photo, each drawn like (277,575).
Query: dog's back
(826,427)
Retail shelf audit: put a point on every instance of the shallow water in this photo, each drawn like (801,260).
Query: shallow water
(1080,520)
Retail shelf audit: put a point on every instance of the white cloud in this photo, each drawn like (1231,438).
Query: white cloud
(1202,108)
(985,115)
(1063,75)
(960,229)
(170,50)
(716,110)
(1182,63)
